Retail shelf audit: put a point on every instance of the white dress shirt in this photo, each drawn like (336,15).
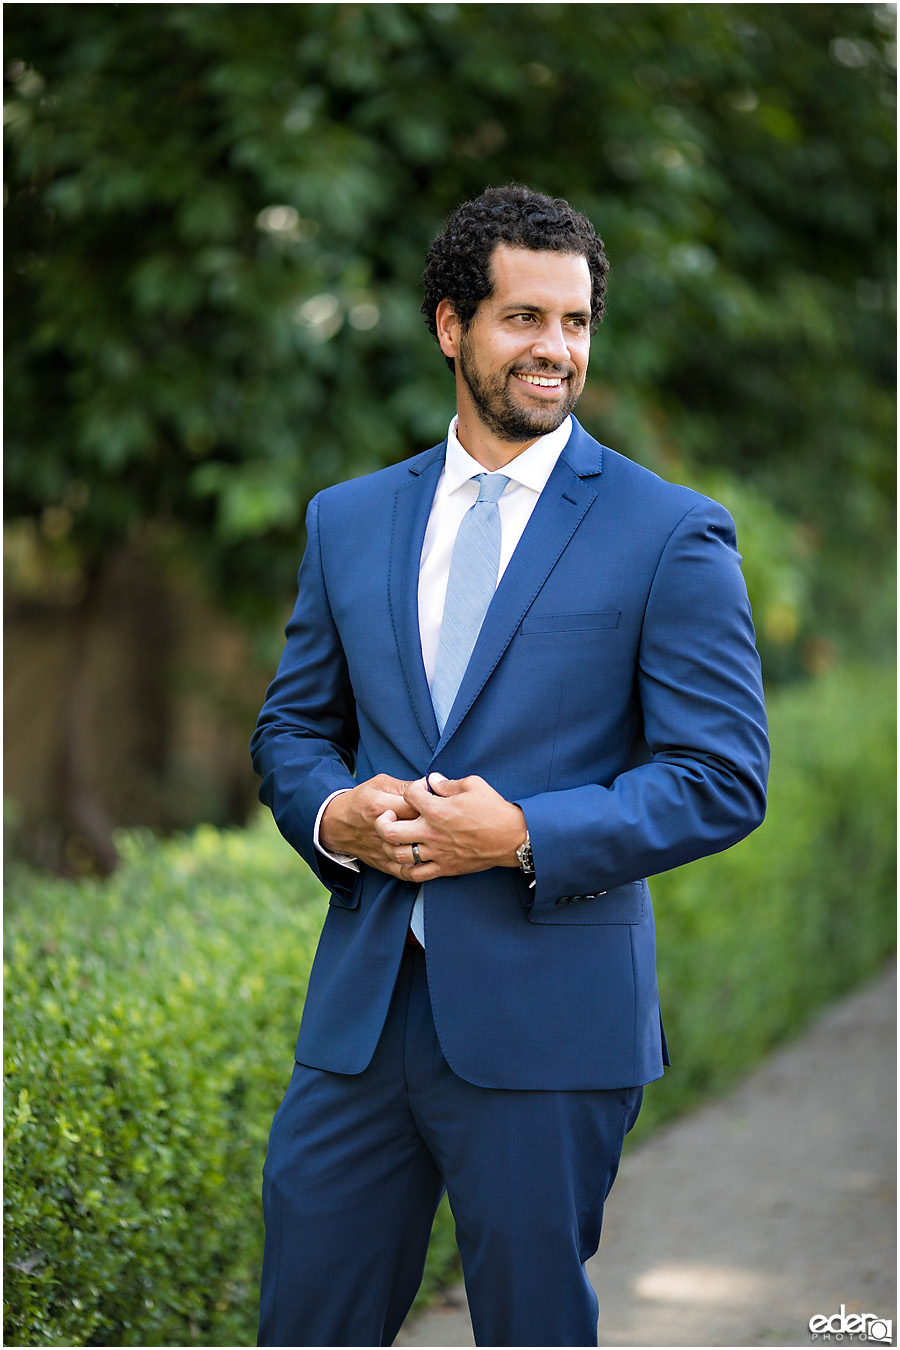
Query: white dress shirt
(455,493)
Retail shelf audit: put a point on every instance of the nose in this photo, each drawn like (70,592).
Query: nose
(550,344)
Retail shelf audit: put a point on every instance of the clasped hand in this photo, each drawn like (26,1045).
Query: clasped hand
(462,825)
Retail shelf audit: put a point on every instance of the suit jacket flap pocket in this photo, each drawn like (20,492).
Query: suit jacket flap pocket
(623,904)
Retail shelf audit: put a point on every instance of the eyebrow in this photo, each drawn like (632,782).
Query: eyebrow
(540,309)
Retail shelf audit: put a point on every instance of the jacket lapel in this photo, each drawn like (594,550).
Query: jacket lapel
(555,518)
(412,507)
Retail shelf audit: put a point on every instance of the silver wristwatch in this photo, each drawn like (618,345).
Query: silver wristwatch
(524,854)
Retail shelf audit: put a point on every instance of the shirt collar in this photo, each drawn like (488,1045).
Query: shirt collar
(532,468)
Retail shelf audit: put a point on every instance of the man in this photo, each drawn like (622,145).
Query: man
(520,677)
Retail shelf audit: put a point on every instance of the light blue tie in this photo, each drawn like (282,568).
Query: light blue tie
(470,587)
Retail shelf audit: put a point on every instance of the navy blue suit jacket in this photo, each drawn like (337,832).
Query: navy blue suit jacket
(614,693)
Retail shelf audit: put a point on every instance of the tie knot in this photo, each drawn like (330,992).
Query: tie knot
(490,486)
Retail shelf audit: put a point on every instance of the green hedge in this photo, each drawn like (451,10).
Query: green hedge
(149,1029)
(150,1022)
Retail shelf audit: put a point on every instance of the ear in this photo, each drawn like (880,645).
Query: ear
(448,328)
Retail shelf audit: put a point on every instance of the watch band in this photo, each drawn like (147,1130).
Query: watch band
(524,854)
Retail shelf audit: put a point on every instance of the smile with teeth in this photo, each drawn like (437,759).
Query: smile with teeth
(543,381)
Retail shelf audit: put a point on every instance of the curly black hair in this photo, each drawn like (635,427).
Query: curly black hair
(458,264)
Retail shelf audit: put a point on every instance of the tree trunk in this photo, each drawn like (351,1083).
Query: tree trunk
(87,827)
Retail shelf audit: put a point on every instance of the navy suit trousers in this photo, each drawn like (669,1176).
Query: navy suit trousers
(356,1167)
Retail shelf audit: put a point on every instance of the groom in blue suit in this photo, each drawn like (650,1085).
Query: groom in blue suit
(520,677)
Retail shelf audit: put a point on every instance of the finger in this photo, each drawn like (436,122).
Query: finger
(384,792)
(389,820)
(439,786)
(399,832)
(389,801)
(420,795)
(406,855)
(402,808)
(395,833)
(428,871)
(385,782)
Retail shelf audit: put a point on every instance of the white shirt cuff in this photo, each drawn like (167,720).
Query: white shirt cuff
(343,859)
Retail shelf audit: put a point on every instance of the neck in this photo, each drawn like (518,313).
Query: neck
(485,447)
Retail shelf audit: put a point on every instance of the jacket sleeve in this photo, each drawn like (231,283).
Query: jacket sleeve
(704,723)
(305,742)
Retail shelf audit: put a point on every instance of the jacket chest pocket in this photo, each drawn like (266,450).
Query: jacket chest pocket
(590,621)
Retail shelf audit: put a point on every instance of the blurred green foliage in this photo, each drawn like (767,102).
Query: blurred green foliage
(218,215)
(149,1022)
